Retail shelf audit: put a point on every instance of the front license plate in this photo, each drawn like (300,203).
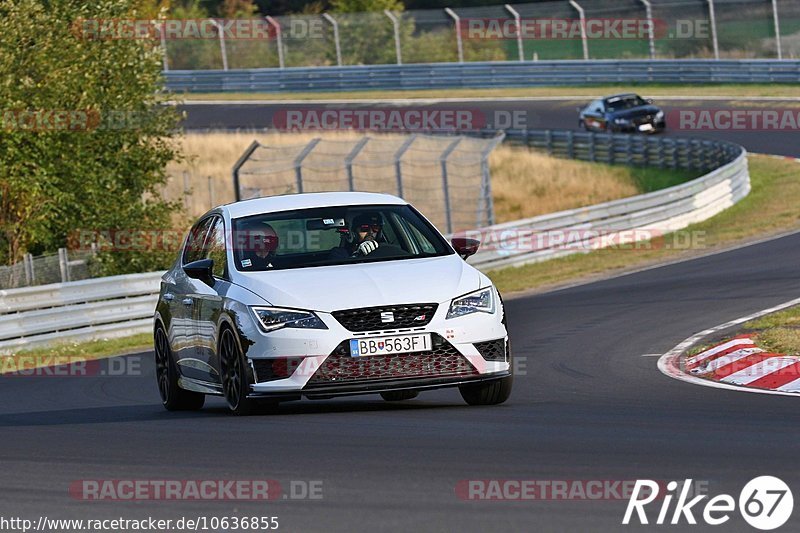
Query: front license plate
(645,127)
(389,345)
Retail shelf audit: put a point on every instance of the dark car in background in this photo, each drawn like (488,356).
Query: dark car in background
(622,113)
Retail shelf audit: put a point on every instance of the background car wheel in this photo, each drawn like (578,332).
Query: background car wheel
(173,398)
(489,393)
(236,378)
(400,395)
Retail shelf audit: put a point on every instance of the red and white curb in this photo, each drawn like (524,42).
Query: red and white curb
(740,362)
(737,364)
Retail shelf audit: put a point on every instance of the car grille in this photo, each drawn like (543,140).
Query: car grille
(443,361)
(492,350)
(370,318)
(272,369)
(647,119)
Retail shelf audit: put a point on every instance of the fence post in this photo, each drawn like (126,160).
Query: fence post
(211,199)
(336,42)
(445,186)
(648,8)
(237,193)
(63,264)
(776,20)
(396,25)
(611,146)
(163,39)
(27,262)
(570,145)
(186,189)
(592,147)
(223,50)
(515,14)
(348,161)
(459,42)
(548,139)
(298,162)
(278,39)
(486,182)
(713,19)
(398,162)
(584,38)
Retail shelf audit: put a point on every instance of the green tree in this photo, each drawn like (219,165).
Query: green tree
(102,167)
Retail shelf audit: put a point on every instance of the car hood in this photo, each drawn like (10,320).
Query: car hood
(328,288)
(636,112)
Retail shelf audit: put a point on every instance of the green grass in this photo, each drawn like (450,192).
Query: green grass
(72,352)
(647,90)
(769,209)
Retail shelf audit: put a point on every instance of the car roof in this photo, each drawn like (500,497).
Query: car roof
(288,202)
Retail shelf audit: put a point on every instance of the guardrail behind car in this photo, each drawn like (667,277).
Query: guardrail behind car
(485,74)
(124,305)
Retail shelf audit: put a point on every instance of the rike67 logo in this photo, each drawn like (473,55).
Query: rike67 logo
(765,503)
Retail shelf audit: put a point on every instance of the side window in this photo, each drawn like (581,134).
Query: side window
(599,107)
(194,243)
(215,248)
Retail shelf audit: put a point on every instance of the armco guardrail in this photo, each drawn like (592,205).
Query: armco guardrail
(124,305)
(484,74)
(620,221)
(77,311)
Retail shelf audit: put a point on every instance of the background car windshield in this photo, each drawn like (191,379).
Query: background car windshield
(332,235)
(624,102)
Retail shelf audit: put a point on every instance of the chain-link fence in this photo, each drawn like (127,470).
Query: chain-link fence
(446,177)
(563,29)
(43,269)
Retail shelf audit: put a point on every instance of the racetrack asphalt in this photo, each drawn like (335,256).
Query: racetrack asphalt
(588,404)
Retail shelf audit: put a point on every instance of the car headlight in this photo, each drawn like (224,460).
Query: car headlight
(480,301)
(272,318)
(659,115)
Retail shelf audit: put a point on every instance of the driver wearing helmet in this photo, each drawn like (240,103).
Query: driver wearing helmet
(362,239)
(258,247)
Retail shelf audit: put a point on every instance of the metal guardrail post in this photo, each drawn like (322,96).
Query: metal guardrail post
(348,161)
(584,38)
(777,21)
(336,42)
(396,25)
(713,19)
(592,146)
(278,39)
(298,162)
(445,185)
(459,41)
(237,193)
(223,50)
(398,162)
(648,8)
(570,144)
(515,14)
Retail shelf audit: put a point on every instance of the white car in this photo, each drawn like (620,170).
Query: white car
(321,295)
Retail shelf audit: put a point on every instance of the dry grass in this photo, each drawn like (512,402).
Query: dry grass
(524,183)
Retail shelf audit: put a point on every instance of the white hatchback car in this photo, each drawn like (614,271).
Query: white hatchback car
(322,295)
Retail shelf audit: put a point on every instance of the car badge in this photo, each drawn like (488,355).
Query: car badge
(387,316)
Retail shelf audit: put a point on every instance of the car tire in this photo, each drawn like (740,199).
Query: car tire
(173,397)
(400,395)
(236,376)
(488,393)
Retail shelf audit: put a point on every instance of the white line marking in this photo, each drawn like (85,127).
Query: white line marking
(793,386)
(651,355)
(725,360)
(429,100)
(669,363)
(702,356)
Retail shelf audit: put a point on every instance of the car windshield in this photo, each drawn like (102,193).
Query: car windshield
(624,102)
(333,236)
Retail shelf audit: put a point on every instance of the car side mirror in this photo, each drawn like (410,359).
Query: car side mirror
(201,270)
(649,100)
(465,247)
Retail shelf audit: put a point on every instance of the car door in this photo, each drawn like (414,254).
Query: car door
(180,290)
(595,116)
(210,301)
